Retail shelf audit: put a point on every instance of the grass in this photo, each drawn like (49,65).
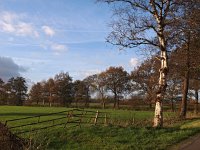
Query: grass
(10,112)
(113,137)
(103,137)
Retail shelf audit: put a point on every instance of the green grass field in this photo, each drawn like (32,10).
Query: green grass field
(10,112)
(111,136)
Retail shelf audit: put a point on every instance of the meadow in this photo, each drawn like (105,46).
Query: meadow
(126,129)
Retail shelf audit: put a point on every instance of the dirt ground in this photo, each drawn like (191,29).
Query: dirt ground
(193,143)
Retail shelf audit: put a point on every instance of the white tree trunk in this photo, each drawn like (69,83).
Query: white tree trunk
(158,117)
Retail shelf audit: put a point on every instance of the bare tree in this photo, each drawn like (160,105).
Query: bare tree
(64,88)
(116,79)
(99,86)
(173,90)
(35,93)
(51,90)
(146,22)
(81,92)
(145,79)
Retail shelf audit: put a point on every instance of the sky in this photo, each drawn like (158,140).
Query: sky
(40,38)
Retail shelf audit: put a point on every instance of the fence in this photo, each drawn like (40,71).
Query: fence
(69,118)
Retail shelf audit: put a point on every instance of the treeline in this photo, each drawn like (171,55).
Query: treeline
(113,85)
(14,92)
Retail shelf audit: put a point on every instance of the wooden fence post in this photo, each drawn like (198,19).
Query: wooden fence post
(80,119)
(96,117)
(67,120)
(133,120)
(69,115)
(38,119)
(105,121)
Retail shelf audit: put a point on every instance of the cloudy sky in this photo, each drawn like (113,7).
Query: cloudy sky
(40,38)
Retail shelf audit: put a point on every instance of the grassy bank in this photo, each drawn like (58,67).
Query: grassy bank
(112,136)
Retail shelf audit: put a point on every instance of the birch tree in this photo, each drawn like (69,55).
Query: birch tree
(146,22)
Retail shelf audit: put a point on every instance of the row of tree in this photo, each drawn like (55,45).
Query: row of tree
(60,89)
(114,82)
(14,92)
(118,84)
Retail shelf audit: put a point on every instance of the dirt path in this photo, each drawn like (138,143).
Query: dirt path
(192,143)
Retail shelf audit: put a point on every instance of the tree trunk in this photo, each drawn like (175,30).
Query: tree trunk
(76,103)
(150,105)
(172,105)
(185,82)
(43,102)
(50,100)
(117,103)
(158,117)
(53,102)
(103,103)
(184,98)
(87,100)
(196,102)
(149,99)
(115,100)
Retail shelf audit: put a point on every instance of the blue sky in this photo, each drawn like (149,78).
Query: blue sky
(40,38)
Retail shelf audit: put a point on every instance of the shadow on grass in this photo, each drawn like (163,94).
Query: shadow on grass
(119,137)
(22,114)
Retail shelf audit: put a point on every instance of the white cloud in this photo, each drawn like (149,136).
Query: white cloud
(9,16)
(48,31)
(7,27)
(14,23)
(25,29)
(36,34)
(58,48)
(134,62)
(79,75)
(91,72)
